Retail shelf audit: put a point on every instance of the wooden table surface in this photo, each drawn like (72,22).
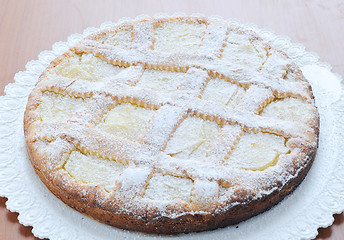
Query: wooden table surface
(30,26)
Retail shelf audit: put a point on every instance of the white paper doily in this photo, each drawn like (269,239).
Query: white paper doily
(299,216)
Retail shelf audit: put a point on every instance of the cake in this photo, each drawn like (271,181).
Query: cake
(172,125)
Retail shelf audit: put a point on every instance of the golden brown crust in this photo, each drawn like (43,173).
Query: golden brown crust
(184,224)
(242,203)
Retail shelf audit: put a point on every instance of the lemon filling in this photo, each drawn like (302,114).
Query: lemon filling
(56,107)
(257,151)
(178,36)
(169,188)
(126,120)
(93,170)
(192,138)
(86,67)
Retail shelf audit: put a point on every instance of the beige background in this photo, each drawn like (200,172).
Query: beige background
(30,26)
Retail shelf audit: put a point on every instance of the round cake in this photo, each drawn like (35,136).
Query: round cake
(172,125)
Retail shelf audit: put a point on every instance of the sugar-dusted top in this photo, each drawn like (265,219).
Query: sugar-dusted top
(172,116)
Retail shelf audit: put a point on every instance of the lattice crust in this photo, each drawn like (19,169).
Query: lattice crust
(172,125)
(85,66)
(245,50)
(161,81)
(179,36)
(90,169)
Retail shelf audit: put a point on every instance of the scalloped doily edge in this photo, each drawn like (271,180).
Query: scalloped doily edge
(35,67)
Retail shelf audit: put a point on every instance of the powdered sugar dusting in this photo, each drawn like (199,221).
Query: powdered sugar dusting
(224,144)
(143,36)
(194,81)
(163,125)
(276,65)
(255,99)
(174,71)
(132,181)
(214,38)
(205,195)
